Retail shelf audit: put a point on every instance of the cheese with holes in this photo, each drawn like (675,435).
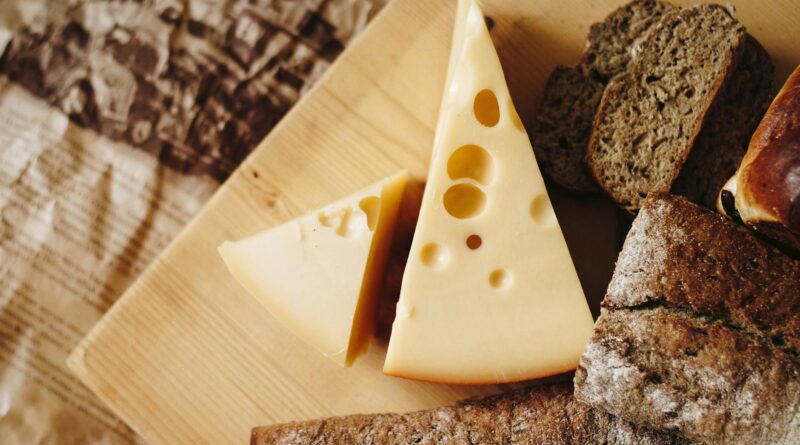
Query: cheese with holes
(490,293)
(320,274)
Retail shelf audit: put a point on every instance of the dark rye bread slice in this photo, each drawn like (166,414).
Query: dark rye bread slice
(610,42)
(731,122)
(562,127)
(699,331)
(564,120)
(545,414)
(649,118)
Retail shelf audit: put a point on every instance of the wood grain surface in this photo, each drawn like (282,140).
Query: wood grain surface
(185,356)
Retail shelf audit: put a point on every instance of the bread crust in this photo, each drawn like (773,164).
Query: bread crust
(699,331)
(544,414)
(767,196)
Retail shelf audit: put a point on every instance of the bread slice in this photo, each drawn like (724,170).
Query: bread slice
(571,96)
(723,140)
(562,127)
(649,118)
(610,42)
(546,414)
(699,331)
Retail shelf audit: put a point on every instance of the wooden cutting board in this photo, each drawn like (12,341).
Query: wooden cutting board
(186,356)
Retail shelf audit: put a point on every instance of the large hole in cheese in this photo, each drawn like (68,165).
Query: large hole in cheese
(434,255)
(371,206)
(464,201)
(486,109)
(471,161)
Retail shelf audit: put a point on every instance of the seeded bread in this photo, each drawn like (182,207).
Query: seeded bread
(726,132)
(571,96)
(648,119)
(699,331)
(539,415)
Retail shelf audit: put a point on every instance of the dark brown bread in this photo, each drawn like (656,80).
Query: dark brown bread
(562,127)
(535,416)
(726,132)
(767,193)
(571,96)
(649,118)
(609,43)
(699,332)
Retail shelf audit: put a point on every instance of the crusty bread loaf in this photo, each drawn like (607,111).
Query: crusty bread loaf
(765,193)
(649,118)
(546,414)
(723,140)
(564,119)
(699,331)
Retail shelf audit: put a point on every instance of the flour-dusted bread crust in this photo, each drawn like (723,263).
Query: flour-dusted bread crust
(571,96)
(699,331)
(725,135)
(536,416)
(649,118)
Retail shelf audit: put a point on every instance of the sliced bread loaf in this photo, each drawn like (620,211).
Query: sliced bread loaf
(725,135)
(649,118)
(562,127)
(571,96)
(699,331)
(546,414)
(610,42)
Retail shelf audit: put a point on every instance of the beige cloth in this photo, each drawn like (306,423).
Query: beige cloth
(117,120)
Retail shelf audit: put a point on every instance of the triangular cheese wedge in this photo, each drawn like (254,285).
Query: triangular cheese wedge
(489,293)
(320,274)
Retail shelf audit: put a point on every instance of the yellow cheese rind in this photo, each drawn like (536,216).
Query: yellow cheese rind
(320,274)
(511,308)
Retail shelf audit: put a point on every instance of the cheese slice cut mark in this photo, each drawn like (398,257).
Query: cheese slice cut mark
(320,274)
(490,293)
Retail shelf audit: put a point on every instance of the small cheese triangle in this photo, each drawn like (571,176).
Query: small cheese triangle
(320,274)
(490,293)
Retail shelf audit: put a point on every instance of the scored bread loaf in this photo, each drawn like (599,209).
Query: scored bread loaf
(546,414)
(723,140)
(564,119)
(765,193)
(648,119)
(699,331)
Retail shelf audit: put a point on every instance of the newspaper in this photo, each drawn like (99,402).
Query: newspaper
(118,120)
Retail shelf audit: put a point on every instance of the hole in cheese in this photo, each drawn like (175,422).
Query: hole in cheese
(486,109)
(371,206)
(474,241)
(347,222)
(464,201)
(541,211)
(434,255)
(500,279)
(471,161)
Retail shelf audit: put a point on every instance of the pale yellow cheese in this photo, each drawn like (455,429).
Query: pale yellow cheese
(320,274)
(490,293)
